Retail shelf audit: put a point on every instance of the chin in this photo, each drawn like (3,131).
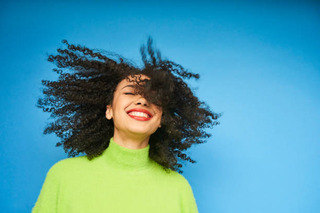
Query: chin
(141,131)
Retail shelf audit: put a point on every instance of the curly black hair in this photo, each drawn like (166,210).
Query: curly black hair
(87,80)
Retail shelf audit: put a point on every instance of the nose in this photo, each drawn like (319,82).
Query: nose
(142,101)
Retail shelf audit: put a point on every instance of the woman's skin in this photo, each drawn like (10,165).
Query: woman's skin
(134,118)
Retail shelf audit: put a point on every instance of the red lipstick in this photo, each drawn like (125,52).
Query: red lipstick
(140,117)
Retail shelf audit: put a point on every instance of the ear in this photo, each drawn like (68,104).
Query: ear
(109,112)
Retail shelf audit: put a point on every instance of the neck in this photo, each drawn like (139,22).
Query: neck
(135,141)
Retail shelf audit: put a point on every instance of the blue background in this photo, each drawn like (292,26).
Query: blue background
(259,63)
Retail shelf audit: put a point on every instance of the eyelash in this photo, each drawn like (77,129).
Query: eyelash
(129,93)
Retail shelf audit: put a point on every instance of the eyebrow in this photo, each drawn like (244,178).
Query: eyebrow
(127,86)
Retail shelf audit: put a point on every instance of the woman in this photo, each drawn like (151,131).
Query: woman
(133,124)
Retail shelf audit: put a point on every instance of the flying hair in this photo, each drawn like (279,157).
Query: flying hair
(87,79)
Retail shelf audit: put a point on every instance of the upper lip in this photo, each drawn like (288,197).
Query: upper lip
(140,110)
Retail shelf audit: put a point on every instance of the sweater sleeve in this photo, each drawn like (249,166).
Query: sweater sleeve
(188,201)
(48,198)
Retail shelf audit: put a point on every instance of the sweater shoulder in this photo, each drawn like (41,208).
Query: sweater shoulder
(69,165)
(174,177)
(70,162)
(180,179)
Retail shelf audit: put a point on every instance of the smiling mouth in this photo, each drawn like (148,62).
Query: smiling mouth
(140,114)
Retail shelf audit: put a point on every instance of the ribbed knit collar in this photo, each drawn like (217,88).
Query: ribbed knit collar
(122,158)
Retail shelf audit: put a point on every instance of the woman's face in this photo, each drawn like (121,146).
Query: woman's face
(132,114)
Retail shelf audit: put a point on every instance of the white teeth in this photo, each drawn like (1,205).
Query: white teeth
(139,114)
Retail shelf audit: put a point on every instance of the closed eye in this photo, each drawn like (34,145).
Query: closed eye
(129,93)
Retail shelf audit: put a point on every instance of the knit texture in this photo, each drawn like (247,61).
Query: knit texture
(121,180)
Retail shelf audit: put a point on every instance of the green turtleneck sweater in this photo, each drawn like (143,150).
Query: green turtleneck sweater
(120,180)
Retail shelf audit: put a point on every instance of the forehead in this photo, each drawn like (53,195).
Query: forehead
(132,80)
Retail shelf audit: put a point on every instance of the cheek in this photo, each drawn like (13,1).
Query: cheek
(116,104)
(160,112)
(160,117)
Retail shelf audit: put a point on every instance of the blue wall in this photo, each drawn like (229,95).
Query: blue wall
(259,65)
